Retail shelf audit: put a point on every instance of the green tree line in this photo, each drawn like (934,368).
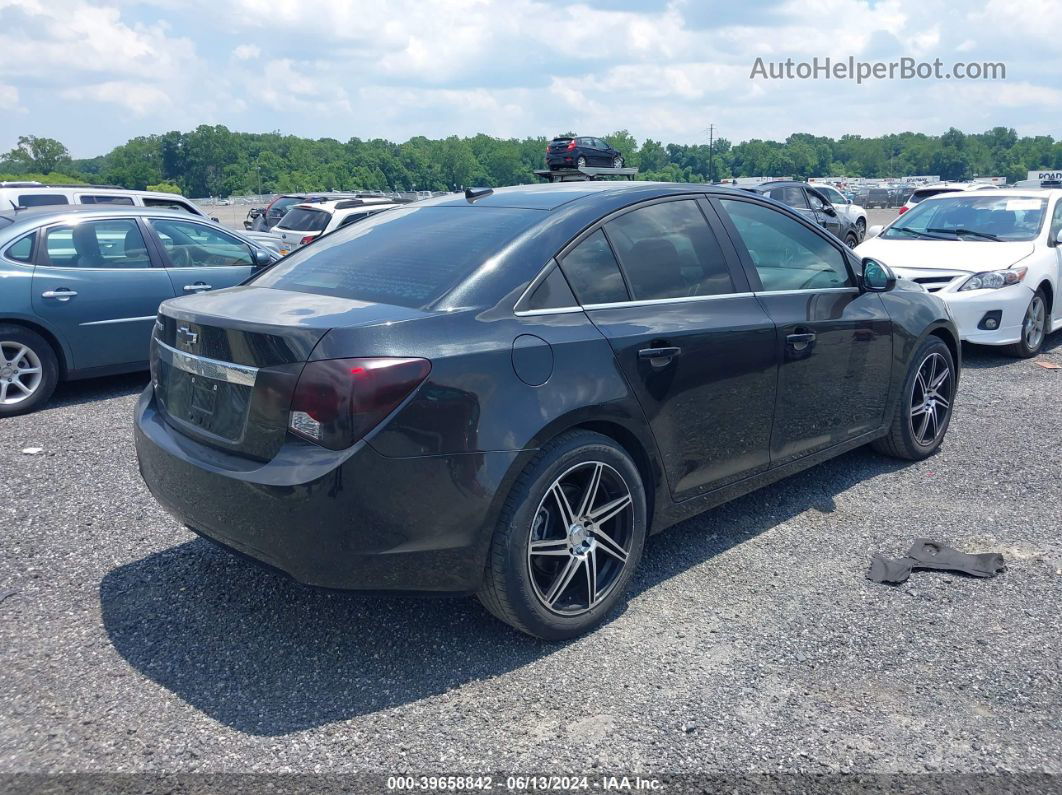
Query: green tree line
(215,161)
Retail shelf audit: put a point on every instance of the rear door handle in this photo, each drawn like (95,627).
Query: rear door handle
(60,294)
(800,341)
(198,287)
(659,356)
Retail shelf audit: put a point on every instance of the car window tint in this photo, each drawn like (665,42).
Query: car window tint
(113,243)
(668,250)
(41,199)
(168,204)
(787,255)
(126,200)
(384,258)
(593,272)
(21,250)
(790,195)
(1056,221)
(816,201)
(552,292)
(353,217)
(305,220)
(191,245)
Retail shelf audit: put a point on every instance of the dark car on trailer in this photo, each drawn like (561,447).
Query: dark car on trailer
(813,205)
(504,393)
(582,151)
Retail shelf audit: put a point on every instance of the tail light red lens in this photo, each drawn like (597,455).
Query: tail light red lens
(902,210)
(308,239)
(338,401)
(571,145)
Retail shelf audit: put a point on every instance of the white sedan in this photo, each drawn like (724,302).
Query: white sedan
(994,257)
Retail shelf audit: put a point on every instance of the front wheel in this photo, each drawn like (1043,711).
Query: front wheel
(924,412)
(851,240)
(569,539)
(861,228)
(617,162)
(1033,328)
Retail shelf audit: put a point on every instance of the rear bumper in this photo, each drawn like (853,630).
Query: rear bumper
(561,161)
(353,519)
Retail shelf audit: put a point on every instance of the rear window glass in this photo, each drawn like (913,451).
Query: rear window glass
(107,200)
(918,195)
(169,204)
(305,220)
(409,257)
(41,199)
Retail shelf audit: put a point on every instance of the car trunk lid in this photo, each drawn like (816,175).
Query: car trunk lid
(225,365)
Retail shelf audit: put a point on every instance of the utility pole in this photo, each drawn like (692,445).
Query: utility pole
(711,151)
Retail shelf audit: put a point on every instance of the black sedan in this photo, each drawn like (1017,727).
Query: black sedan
(580,152)
(505,393)
(814,206)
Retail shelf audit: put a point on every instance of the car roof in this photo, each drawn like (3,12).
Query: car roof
(1023,193)
(32,217)
(550,196)
(333,205)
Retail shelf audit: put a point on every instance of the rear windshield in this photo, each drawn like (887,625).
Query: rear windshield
(304,220)
(408,257)
(918,195)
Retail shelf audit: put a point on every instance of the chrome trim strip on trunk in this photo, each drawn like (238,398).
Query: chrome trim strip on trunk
(208,368)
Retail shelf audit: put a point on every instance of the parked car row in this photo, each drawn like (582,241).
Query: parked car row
(505,392)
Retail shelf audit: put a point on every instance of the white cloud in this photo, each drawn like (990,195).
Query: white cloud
(519,67)
(247,52)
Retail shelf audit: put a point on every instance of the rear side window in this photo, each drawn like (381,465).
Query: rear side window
(41,199)
(21,250)
(593,272)
(409,257)
(668,251)
(786,254)
(552,292)
(169,204)
(305,220)
(96,244)
(919,195)
(126,200)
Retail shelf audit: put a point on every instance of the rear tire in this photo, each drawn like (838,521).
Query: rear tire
(921,419)
(557,570)
(580,162)
(29,370)
(1033,328)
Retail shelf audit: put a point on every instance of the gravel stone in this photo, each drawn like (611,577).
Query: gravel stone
(131,645)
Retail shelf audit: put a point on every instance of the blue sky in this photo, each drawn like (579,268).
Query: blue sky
(94,74)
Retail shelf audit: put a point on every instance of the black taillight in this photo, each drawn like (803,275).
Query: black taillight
(338,401)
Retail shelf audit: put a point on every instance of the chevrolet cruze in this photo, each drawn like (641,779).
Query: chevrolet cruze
(504,393)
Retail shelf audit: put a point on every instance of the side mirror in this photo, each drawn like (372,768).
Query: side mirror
(829,209)
(263,258)
(877,277)
(874,231)
(1058,238)
(215,219)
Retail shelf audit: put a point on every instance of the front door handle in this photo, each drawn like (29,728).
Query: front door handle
(198,287)
(659,357)
(61,294)
(800,341)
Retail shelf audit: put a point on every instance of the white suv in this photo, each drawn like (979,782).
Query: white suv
(844,206)
(927,191)
(38,194)
(304,223)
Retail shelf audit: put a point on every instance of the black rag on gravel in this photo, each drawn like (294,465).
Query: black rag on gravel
(926,554)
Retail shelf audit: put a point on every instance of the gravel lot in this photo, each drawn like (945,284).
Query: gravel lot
(751,641)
